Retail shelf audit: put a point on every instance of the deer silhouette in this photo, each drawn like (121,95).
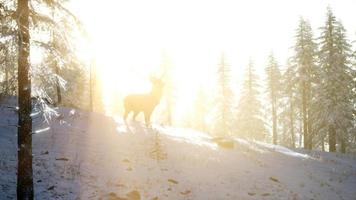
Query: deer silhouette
(145,103)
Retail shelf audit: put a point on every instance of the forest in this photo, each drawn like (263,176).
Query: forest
(58,100)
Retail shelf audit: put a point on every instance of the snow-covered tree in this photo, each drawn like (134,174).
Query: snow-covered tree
(8,50)
(289,101)
(304,62)
(60,72)
(334,100)
(273,90)
(29,25)
(249,116)
(168,98)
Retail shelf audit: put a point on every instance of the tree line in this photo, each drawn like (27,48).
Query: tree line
(311,103)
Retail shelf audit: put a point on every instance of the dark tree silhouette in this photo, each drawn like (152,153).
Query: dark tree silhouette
(24,168)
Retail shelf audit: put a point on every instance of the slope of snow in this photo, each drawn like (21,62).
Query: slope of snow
(82,155)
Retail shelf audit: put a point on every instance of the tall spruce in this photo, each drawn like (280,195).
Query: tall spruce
(304,61)
(249,116)
(290,103)
(334,100)
(273,90)
(168,99)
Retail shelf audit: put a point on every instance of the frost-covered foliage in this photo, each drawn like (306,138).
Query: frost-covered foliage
(334,93)
(8,51)
(56,72)
(249,123)
(304,77)
(60,72)
(288,117)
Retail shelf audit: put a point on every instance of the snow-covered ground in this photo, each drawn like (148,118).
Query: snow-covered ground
(81,155)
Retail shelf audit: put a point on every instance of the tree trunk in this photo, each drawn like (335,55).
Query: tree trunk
(309,119)
(6,71)
(332,139)
(274,119)
(323,144)
(56,68)
(305,120)
(342,145)
(300,133)
(58,87)
(91,95)
(292,122)
(24,168)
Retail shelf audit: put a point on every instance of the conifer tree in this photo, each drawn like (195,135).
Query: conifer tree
(304,61)
(334,112)
(249,117)
(273,90)
(289,101)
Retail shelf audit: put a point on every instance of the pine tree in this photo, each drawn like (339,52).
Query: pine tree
(334,98)
(31,29)
(273,90)
(289,102)
(61,73)
(249,121)
(8,50)
(167,70)
(224,99)
(304,62)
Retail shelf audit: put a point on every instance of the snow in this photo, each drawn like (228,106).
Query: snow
(80,155)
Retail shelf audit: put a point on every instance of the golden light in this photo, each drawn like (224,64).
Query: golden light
(130,37)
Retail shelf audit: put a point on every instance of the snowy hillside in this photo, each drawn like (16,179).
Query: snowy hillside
(90,156)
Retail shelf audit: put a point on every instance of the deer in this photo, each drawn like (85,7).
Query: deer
(145,103)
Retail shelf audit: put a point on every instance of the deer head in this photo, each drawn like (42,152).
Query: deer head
(157,86)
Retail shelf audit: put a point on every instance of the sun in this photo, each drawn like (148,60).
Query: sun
(128,52)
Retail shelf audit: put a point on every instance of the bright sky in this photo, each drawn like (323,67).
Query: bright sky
(130,36)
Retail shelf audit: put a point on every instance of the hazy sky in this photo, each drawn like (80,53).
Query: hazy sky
(129,36)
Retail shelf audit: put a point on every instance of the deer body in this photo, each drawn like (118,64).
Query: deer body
(145,103)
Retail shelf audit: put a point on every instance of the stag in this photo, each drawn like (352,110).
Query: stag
(145,103)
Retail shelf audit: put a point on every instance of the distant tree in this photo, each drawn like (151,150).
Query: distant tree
(224,99)
(200,110)
(273,90)
(168,98)
(289,102)
(334,100)
(353,131)
(249,116)
(304,62)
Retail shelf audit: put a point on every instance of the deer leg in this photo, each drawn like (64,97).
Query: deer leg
(126,114)
(134,115)
(147,118)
